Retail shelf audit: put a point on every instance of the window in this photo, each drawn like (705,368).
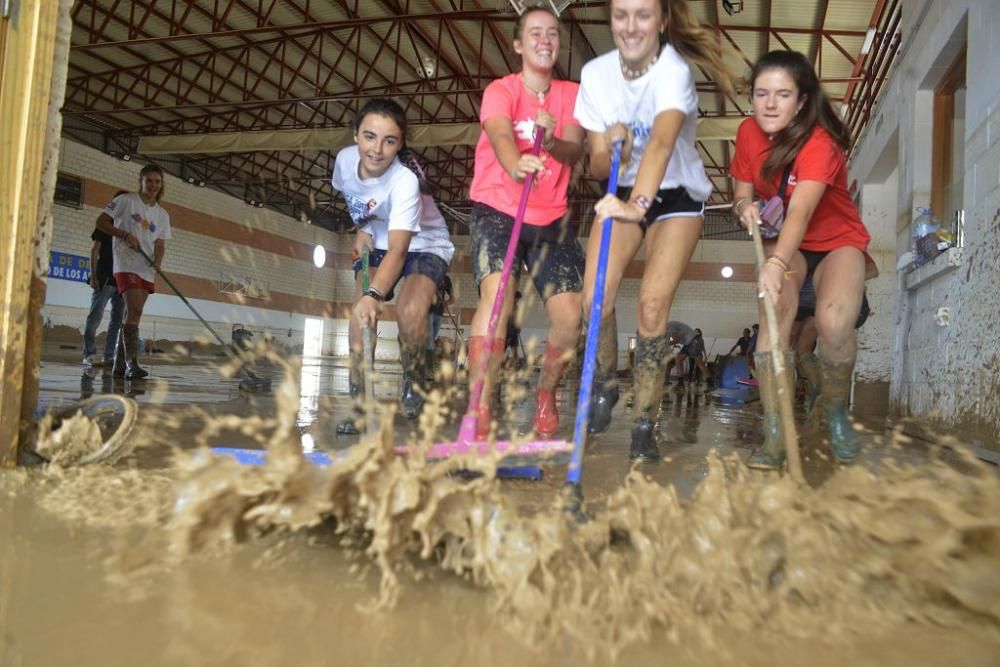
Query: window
(948,162)
(69,190)
(312,345)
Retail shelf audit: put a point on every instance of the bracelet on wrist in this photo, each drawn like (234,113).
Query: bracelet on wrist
(549,143)
(779,258)
(375,294)
(641,201)
(777,261)
(739,204)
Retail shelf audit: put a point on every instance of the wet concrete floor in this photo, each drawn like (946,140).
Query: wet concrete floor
(296,599)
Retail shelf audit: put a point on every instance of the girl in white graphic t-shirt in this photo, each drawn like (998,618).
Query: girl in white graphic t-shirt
(136,220)
(643,94)
(407,237)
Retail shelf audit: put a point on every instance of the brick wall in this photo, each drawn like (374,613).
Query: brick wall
(214,233)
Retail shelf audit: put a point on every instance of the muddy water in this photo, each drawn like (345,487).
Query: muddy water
(894,561)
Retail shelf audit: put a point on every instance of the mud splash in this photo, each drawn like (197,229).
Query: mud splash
(747,552)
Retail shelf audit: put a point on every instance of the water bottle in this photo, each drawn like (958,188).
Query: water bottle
(923,225)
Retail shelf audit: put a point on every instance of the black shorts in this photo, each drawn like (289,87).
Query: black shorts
(807,295)
(552,254)
(416,263)
(667,203)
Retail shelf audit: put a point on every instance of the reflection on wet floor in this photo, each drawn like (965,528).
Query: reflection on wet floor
(295,599)
(693,419)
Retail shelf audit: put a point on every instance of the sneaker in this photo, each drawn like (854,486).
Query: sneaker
(88,360)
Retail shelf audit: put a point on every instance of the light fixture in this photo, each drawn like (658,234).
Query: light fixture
(732,6)
(126,157)
(190,179)
(319,257)
(869,40)
(727,272)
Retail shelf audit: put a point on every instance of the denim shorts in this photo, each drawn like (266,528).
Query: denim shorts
(416,263)
(554,257)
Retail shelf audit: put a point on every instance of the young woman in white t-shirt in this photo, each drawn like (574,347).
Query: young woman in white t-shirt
(407,238)
(136,220)
(643,94)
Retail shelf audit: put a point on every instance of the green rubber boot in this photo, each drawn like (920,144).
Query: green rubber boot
(808,368)
(650,372)
(411,395)
(835,387)
(356,383)
(770,455)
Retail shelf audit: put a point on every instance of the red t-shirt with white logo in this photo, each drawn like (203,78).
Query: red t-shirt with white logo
(491,184)
(835,222)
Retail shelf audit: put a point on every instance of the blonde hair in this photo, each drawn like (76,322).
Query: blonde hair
(696,43)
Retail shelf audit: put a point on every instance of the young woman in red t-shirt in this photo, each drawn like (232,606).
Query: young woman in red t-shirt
(796,138)
(512,108)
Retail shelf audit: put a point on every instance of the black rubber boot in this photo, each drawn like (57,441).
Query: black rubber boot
(411,396)
(770,455)
(130,336)
(356,382)
(604,392)
(603,397)
(835,379)
(643,446)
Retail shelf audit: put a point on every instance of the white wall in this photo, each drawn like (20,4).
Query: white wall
(948,371)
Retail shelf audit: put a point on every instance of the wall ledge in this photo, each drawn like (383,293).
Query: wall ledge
(940,266)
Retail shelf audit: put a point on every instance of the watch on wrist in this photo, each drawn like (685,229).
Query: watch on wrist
(375,294)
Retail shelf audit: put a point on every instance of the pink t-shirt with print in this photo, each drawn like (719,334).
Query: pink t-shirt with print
(491,184)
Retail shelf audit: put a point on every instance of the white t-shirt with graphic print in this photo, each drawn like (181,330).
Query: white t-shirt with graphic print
(606,98)
(391,202)
(146,222)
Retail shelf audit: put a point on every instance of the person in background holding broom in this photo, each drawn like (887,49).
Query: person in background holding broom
(643,94)
(136,220)
(513,109)
(407,238)
(793,150)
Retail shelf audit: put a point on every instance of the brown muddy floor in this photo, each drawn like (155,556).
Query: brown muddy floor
(81,586)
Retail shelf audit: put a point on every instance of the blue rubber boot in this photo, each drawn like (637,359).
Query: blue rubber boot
(835,381)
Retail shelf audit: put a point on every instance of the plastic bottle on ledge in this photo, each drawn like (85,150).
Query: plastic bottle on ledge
(924,225)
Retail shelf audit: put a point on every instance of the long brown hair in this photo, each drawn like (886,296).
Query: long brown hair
(816,109)
(519,21)
(696,43)
(152,168)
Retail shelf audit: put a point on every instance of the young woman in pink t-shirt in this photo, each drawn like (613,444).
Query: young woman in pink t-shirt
(512,109)
(793,149)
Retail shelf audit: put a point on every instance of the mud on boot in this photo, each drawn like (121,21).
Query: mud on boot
(411,395)
(554,363)
(835,388)
(643,446)
(771,454)
(809,371)
(603,397)
(356,382)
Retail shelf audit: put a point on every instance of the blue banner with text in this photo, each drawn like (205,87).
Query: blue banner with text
(69,267)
